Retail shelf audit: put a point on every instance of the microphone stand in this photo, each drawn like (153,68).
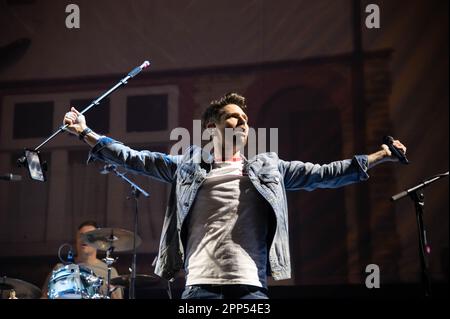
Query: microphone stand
(135,191)
(96,102)
(417,196)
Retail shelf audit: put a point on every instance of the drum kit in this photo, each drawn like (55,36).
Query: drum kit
(73,281)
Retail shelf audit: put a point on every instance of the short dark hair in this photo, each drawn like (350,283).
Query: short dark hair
(214,110)
(88,223)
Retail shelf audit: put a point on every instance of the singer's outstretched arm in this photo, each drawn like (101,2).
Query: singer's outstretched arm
(385,155)
(308,176)
(77,125)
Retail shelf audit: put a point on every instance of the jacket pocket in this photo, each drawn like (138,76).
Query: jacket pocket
(185,175)
(187,180)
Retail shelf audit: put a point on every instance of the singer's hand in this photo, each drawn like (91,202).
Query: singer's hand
(388,154)
(75,120)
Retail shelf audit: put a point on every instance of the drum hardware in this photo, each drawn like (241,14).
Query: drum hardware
(38,174)
(74,282)
(416,194)
(141,281)
(70,258)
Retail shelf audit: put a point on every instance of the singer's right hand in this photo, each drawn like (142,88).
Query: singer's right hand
(76,122)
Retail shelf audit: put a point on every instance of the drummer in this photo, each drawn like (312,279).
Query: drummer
(87,256)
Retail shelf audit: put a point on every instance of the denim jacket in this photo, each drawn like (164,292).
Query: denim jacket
(271,177)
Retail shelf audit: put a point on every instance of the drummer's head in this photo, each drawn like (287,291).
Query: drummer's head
(83,250)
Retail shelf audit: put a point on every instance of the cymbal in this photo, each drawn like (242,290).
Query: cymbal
(106,238)
(23,289)
(142,281)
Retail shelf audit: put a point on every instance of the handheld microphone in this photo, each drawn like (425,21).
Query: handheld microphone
(11,177)
(389,140)
(70,258)
(107,169)
(21,161)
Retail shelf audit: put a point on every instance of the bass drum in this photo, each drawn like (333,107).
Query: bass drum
(74,282)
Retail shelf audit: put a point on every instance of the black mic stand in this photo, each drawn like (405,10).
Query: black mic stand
(417,196)
(131,74)
(135,191)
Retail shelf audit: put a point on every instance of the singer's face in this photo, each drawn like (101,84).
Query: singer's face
(234,120)
(83,249)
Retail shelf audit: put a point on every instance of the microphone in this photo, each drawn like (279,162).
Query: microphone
(107,169)
(70,258)
(21,161)
(11,177)
(138,69)
(389,140)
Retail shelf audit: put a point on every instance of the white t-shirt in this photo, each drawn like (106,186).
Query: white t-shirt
(227,230)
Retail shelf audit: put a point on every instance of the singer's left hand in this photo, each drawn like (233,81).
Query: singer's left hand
(388,154)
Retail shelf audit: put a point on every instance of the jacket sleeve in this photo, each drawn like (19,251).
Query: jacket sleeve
(154,164)
(307,176)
